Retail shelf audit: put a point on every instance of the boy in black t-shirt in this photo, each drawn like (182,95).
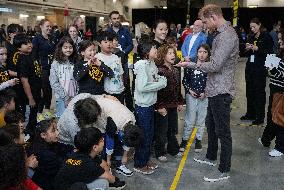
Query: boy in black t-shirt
(12,60)
(29,71)
(86,166)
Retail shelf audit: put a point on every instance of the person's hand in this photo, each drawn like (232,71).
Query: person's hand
(180,108)
(110,97)
(187,59)
(193,94)
(32,161)
(254,48)
(95,61)
(32,102)
(162,111)
(182,64)
(14,81)
(202,96)
(109,163)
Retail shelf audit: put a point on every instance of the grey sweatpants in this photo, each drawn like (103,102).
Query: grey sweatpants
(99,184)
(196,110)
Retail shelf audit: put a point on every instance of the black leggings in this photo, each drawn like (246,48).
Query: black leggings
(47,91)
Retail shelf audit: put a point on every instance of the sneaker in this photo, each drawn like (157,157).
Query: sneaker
(198,146)
(182,145)
(205,161)
(117,185)
(275,153)
(180,154)
(162,158)
(152,165)
(122,169)
(145,170)
(215,176)
(257,122)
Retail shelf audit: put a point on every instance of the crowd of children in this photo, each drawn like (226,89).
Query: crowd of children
(92,130)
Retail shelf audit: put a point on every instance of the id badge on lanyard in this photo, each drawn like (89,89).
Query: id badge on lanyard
(252,57)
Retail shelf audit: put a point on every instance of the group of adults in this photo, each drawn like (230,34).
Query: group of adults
(220,86)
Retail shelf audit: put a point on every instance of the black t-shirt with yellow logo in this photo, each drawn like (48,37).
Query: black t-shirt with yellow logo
(91,78)
(12,57)
(4,75)
(30,68)
(78,168)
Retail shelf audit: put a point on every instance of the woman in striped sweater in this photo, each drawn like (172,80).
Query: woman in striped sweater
(276,85)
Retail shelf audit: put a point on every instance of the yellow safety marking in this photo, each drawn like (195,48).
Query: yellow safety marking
(183,159)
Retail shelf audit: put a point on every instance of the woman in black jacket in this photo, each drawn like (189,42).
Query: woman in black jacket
(276,85)
(259,45)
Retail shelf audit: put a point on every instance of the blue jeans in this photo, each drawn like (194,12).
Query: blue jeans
(145,120)
(60,107)
(110,143)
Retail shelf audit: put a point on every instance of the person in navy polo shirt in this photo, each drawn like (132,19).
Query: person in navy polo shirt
(125,41)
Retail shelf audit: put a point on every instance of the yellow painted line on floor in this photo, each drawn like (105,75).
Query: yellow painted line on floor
(183,159)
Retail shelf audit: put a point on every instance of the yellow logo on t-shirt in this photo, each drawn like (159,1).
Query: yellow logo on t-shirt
(95,73)
(37,69)
(73,162)
(4,76)
(16,57)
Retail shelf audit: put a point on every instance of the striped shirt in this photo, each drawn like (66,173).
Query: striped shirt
(277,75)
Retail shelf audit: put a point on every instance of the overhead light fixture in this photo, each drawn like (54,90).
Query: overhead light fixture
(40,17)
(5,10)
(252,6)
(165,7)
(82,16)
(23,16)
(114,1)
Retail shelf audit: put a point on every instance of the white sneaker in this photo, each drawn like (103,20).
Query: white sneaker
(180,154)
(259,140)
(275,153)
(204,160)
(215,176)
(124,171)
(162,159)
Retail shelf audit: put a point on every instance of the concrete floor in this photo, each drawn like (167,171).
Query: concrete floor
(252,168)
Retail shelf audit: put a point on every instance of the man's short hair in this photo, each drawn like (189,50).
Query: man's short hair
(133,135)
(112,13)
(21,39)
(86,138)
(87,111)
(14,28)
(209,10)
(14,117)
(105,36)
(6,96)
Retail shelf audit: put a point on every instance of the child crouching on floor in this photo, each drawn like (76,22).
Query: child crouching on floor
(49,152)
(85,165)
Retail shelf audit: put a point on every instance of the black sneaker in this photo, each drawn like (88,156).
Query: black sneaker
(247,117)
(117,185)
(182,145)
(198,146)
(257,122)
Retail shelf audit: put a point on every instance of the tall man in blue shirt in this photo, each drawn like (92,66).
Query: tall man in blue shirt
(125,41)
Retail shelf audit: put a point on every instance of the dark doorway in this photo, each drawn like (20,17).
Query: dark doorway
(91,23)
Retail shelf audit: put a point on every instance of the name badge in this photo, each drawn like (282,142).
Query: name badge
(252,58)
